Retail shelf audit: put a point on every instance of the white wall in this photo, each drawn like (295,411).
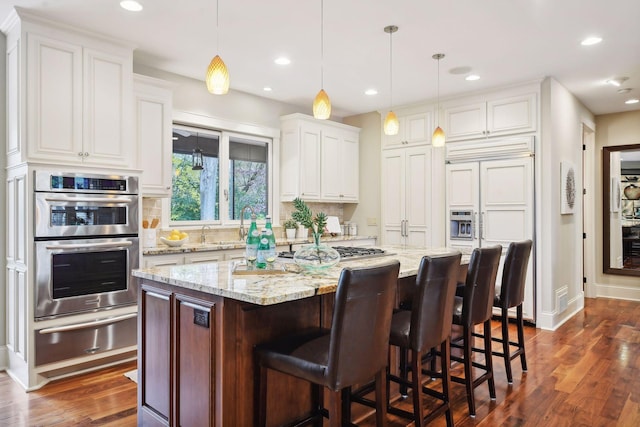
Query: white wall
(368,210)
(559,237)
(613,129)
(3,202)
(190,95)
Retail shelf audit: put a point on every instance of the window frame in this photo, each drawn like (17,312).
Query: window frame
(227,129)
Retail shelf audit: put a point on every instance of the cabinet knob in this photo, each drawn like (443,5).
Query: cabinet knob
(86,154)
(81,154)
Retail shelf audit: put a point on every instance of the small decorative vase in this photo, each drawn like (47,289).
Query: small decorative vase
(290,233)
(316,256)
(632,192)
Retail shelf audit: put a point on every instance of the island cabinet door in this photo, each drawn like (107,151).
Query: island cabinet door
(194,349)
(154,356)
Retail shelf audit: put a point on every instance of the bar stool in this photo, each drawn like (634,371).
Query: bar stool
(353,351)
(427,326)
(509,295)
(474,308)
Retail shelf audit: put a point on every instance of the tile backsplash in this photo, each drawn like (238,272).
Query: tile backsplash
(331,209)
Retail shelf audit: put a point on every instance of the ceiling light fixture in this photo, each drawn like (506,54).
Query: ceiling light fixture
(217,77)
(282,61)
(617,82)
(624,90)
(590,41)
(391,125)
(131,5)
(438,138)
(632,101)
(472,77)
(322,104)
(370,92)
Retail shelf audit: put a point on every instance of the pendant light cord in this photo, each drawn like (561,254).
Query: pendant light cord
(390,70)
(438,103)
(217,28)
(321,44)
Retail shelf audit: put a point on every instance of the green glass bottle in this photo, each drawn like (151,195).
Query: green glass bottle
(253,240)
(263,250)
(270,235)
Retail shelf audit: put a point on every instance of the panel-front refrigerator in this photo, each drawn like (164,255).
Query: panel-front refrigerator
(496,199)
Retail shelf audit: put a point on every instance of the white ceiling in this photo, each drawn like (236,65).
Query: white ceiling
(503,41)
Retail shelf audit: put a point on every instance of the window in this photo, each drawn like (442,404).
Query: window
(234,173)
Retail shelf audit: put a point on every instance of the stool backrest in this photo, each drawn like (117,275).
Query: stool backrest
(480,286)
(361,324)
(432,307)
(514,273)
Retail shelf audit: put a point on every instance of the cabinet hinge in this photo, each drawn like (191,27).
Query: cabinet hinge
(584,235)
(584,147)
(584,191)
(584,280)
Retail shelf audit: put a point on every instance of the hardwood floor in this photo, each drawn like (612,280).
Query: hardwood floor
(587,373)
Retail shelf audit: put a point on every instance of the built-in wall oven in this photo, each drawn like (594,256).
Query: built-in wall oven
(86,242)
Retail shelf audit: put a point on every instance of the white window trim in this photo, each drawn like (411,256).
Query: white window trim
(232,128)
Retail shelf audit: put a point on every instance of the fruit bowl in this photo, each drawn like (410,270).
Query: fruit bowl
(174,243)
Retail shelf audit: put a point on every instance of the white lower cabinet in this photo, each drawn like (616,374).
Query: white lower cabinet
(406,196)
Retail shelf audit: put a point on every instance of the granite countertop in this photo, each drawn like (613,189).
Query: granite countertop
(266,289)
(228,245)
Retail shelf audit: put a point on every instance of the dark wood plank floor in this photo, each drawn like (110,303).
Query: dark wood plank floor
(587,373)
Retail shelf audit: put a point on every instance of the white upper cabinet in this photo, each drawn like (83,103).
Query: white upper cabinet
(491,117)
(153,103)
(75,92)
(318,160)
(415,128)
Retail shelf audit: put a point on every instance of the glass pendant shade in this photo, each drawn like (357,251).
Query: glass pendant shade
(322,106)
(438,139)
(391,124)
(196,160)
(217,77)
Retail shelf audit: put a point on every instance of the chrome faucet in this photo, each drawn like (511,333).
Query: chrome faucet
(203,237)
(243,233)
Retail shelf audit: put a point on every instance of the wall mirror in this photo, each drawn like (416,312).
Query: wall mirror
(621,209)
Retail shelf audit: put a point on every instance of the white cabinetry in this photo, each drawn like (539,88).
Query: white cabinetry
(318,160)
(406,196)
(76,92)
(153,103)
(415,128)
(470,119)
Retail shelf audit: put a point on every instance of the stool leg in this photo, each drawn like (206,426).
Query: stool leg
(468,369)
(335,417)
(489,359)
(445,361)
(262,399)
(523,357)
(416,380)
(381,398)
(404,371)
(506,350)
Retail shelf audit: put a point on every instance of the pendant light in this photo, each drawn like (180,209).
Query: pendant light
(438,138)
(217,77)
(391,125)
(197,161)
(321,104)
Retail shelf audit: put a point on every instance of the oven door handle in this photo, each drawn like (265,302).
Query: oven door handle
(86,325)
(90,245)
(89,199)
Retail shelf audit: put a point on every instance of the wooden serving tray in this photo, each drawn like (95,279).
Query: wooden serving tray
(241,269)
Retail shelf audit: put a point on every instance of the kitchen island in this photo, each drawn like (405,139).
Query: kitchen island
(198,325)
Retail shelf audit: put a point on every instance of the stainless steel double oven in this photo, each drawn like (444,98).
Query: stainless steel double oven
(86,244)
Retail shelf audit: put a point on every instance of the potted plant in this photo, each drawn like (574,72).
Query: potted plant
(315,256)
(290,227)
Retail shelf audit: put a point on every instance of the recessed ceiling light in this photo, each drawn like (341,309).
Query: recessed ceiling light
(370,92)
(282,61)
(267,89)
(472,77)
(632,101)
(617,81)
(590,41)
(131,5)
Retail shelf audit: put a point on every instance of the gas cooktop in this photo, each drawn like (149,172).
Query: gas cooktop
(347,253)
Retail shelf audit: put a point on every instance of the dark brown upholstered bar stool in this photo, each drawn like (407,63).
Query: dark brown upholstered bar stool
(511,294)
(353,351)
(426,326)
(474,308)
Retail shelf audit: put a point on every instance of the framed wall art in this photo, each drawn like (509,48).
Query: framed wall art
(568,188)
